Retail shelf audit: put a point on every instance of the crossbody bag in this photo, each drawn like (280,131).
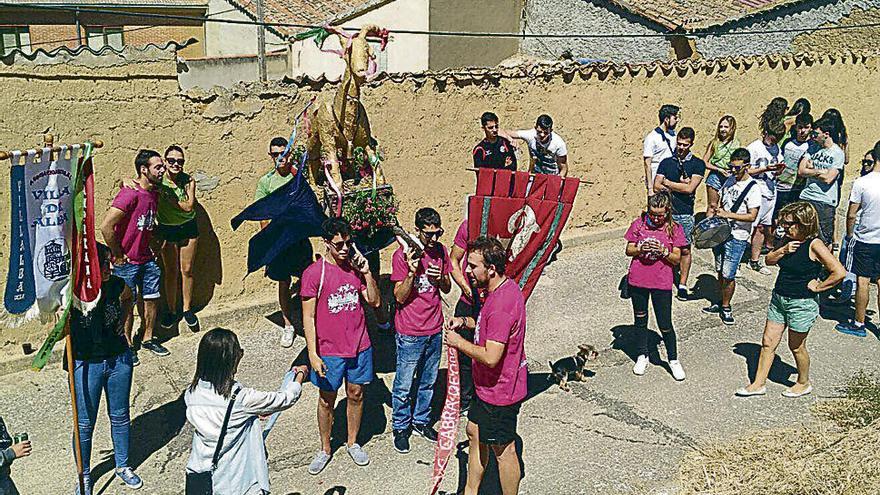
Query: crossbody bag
(202,483)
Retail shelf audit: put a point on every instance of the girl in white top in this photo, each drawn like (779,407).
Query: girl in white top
(242,468)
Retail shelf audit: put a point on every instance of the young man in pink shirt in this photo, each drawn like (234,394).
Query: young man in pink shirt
(128,229)
(336,334)
(499,365)
(418,282)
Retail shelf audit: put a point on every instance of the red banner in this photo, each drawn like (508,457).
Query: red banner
(87,279)
(447,437)
(527,213)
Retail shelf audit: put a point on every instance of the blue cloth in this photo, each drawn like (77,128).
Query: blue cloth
(20,292)
(417,357)
(142,279)
(728,257)
(357,371)
(113,377)
(294,213)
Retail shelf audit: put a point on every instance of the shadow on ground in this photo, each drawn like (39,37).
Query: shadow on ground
(780,372)
(149,432)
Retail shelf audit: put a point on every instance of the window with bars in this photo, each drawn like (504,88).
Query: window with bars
(14,37)
(98,37)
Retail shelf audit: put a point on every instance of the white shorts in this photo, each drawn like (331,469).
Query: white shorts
(765,213)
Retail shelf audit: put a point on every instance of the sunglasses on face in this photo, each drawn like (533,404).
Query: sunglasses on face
(867,163)
(436,234)
(339,245)
(275,154)
(173,161)
(787,224)
(657,216)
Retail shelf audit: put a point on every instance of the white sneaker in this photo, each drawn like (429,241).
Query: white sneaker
(641,365)
(287,336)
(677,370)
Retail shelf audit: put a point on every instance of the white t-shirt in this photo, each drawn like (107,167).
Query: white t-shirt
(760,157)
(866,191)
(658,149)
(545,155)
(729,194)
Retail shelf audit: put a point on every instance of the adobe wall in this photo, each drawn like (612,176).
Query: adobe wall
(426,124)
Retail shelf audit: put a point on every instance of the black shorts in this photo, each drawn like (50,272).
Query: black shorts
(178,233)
(497,423)
(291,262)
(866,260)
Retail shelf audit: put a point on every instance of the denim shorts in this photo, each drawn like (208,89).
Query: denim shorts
(728,257)
(687,224)
(142,279)
(715,180)
(356,370)
(798,314)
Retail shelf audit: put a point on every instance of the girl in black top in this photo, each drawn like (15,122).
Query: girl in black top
(103,367)
(794,304)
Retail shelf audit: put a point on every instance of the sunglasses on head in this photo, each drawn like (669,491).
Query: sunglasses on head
(173,161)
(436,234)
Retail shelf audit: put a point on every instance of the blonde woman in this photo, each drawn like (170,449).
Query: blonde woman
(794,304)
(717,158)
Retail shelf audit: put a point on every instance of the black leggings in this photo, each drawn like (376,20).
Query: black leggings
(661,300)
(465,366)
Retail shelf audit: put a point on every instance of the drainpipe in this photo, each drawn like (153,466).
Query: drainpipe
(78,27)
(261,41)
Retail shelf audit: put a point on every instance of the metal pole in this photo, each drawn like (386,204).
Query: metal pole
(261,41)
(79,39)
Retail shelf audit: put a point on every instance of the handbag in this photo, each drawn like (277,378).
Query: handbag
(714,231)
(202,483)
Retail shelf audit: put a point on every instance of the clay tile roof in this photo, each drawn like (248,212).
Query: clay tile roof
(110,3)
(698,14)
(301,11)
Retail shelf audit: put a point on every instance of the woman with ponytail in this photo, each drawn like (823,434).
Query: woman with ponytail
(654,243)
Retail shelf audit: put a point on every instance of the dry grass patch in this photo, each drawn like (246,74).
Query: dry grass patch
(837,454)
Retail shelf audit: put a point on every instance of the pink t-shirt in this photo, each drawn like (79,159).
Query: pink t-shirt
(503,319)
(339,315)
(461,240)
(421,314)
(136,228)
(652,272)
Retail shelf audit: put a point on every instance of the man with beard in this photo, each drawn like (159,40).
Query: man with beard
(499,365)
(128,230)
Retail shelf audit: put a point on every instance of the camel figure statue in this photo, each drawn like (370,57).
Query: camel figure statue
(340,144)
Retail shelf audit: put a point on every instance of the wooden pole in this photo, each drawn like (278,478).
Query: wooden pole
(582,181)
(5,155)
(77,450)
(48,141)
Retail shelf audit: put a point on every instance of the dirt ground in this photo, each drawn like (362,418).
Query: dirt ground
(613,434)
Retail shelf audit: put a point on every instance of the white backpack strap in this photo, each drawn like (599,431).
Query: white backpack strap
(321,283)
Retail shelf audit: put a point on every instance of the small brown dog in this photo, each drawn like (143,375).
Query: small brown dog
(560,370)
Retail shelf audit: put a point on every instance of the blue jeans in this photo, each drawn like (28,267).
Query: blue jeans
(416,356)
(728,257)
(687,225)
(113,377)
(143,279)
